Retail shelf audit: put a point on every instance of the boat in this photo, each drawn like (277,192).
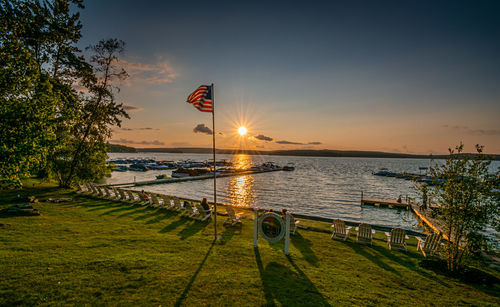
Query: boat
(119,168)
(138,167)
(184,172)
(384,172)
(289,167)
(162,176)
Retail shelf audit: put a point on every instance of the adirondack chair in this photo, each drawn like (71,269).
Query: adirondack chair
(397,239)
(202,213)
(95,191)
(144,200)
(176,204)
(105,192)
(232,218)
(82,189)
(123,196)
(365,234)
(293,225)
(167,202)
(188,210)
(99,190)
(430,245)
(117,194)
(90,188)
(131,197)
(112,194)
(340,230)
(155,202)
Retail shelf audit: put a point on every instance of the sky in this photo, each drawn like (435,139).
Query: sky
(394,76)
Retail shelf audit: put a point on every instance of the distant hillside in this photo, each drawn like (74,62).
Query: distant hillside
(305,152)
(120,148)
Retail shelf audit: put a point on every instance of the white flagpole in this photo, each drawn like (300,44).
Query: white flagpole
(215,175)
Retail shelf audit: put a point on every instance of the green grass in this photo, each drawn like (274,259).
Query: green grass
(92,251)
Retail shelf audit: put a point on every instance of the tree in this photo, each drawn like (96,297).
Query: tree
(47,127)
(38,66)
(468,202)
(84,157)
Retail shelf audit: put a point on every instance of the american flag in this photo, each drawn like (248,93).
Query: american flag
(202,98)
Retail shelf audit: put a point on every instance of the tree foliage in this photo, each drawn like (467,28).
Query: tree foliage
(98,113)
(40,111)
(468,202)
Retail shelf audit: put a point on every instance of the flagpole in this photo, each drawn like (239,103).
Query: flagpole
(215,173)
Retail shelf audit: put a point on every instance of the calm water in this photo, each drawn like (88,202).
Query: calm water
(322,186)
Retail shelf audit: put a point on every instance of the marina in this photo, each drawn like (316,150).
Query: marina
(192,178)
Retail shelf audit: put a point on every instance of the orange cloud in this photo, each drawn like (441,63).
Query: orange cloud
(159,72)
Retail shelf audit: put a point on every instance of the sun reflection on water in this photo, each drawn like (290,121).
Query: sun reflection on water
(240,190)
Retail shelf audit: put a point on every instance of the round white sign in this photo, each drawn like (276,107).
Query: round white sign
(271,227)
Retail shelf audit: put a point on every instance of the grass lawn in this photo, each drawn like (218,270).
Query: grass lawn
(92,251)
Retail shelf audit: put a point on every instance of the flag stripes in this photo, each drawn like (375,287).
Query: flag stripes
(201,98)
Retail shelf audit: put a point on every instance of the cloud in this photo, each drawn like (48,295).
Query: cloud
(201,128)
(124,141)
(472,131)
(263,138)
(289,143)
(314,143)
(132,129)
(159,72)
(131,109)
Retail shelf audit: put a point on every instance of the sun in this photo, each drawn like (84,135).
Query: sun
(242,130)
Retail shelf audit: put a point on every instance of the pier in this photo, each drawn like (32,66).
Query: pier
(428,221)
(189,178)
(385,203)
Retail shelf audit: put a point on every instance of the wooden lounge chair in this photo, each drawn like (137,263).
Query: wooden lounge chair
(430,245)
(99,190)
(131,197)
(176,204)
(81,189)
(123,196)
(105,192)
(340,231)
(202,213)
(117,194)
(188,210)
(364,234)
(155,202)
(397,239)
(145,201)
(232,218)
(95,191)
(167,202)
(90,189)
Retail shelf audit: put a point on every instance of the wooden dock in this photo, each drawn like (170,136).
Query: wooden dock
(428,221)
(190,178)
(385,203)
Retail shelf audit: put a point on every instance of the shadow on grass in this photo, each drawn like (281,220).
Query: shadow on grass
(173,225)
(192,229)
(229,232)
(304,247)
(162,214)
(376,254)
(288,287)
(371,254)
(193,278)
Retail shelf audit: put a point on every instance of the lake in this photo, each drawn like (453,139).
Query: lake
(321,186)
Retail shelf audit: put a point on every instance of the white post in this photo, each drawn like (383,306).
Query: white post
(255,227)
(287,233)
